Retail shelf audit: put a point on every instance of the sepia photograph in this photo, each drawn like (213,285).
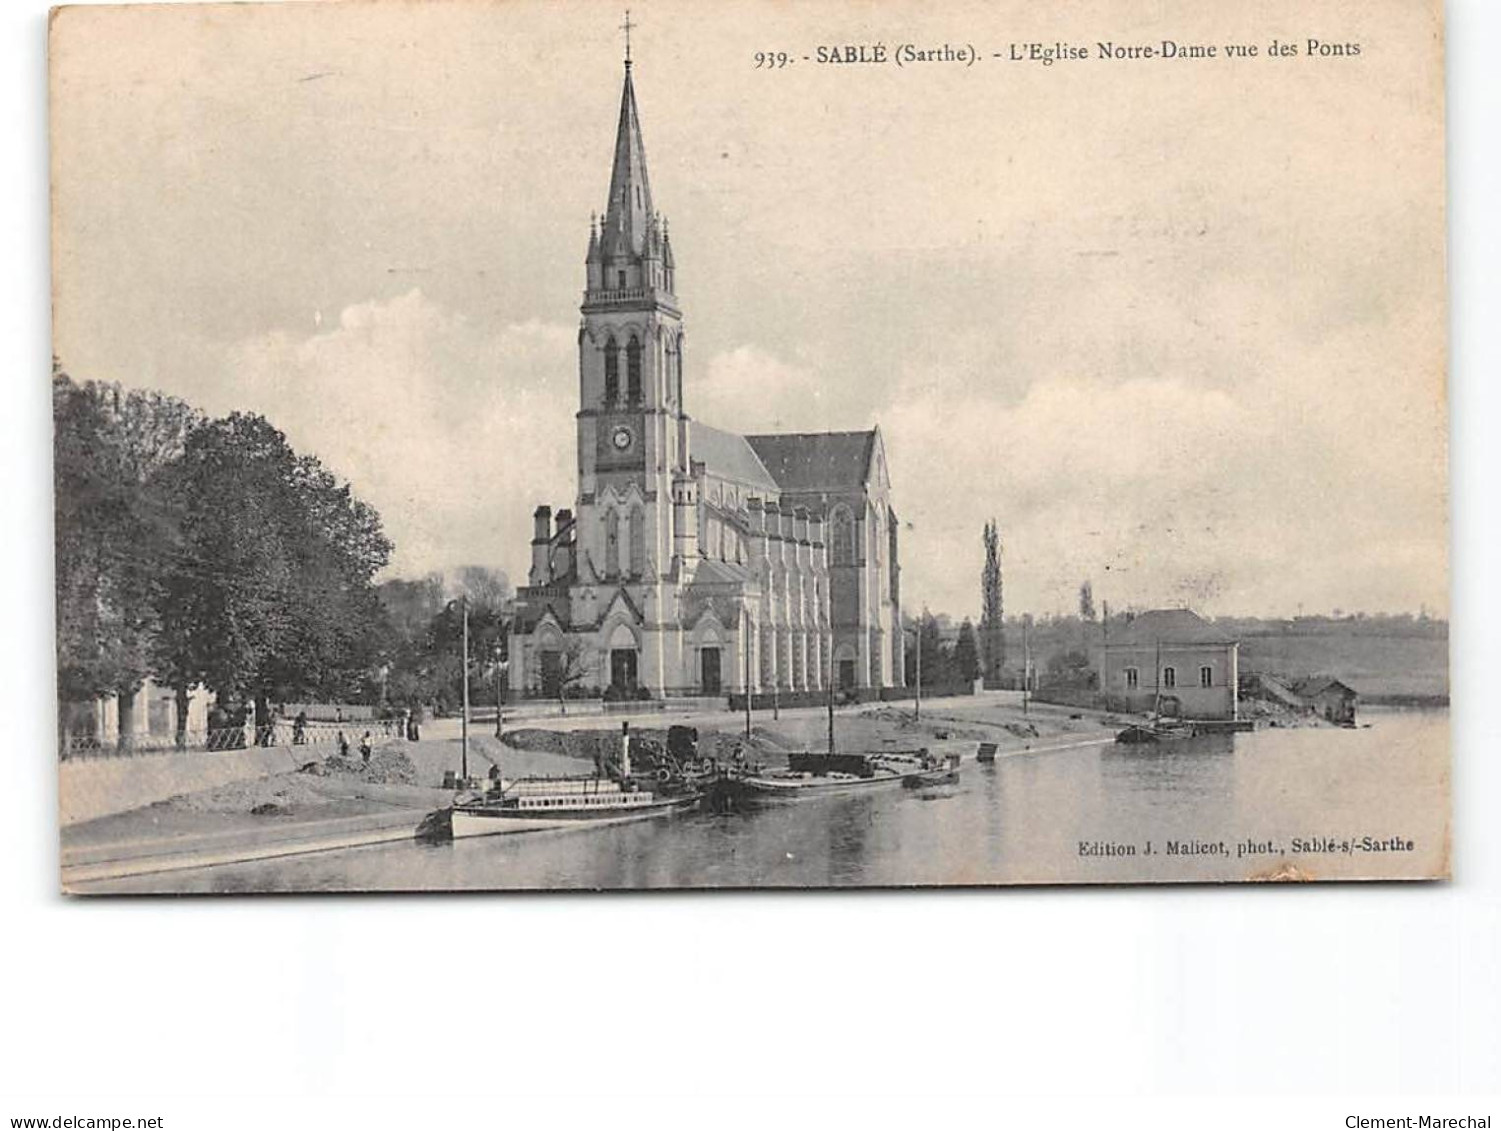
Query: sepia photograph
(543,447)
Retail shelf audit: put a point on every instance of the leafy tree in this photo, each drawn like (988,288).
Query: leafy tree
(1086,601)
(271,594)
(116,519)
(1071,669)
(967,653)
(937,657)
(411,605)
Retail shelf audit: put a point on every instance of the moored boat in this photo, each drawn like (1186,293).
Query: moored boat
(535,804)
(944,772)
(1143,734)
(815,775)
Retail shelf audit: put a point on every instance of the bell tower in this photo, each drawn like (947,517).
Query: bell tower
(632,428)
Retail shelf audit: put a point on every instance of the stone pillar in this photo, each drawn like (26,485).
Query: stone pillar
(804,682)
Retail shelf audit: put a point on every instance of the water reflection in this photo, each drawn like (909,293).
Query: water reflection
(1021,820)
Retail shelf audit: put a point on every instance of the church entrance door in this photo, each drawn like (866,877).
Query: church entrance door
(847,675)
(710,671)
(552,673)
(623,668)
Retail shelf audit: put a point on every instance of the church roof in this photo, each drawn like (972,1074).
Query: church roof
(816,461)
(1169,626)
(711,571)
(729,456)
(1309,688)
(630,209)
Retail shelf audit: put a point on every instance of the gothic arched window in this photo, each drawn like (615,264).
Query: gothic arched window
(612,544)
(612,371)
(638,542)
(633,370)
(842,549)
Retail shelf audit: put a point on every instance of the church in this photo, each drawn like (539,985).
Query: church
(696,561)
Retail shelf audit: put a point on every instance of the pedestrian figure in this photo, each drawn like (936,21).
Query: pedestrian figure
(343,745)
(365,748)
(299,729)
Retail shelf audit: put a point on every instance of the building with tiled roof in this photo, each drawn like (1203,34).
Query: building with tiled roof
(1174,662)
(697,560)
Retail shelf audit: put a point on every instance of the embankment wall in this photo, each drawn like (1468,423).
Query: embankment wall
(97,787)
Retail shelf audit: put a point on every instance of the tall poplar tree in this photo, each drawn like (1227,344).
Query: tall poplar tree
(992,619)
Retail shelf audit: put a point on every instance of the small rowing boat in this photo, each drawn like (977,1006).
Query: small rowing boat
(1145,734)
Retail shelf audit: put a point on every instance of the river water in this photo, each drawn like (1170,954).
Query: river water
(1234,807)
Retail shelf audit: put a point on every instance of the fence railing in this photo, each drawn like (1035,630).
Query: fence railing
(280,733)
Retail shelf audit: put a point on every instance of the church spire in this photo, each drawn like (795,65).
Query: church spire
(627,214)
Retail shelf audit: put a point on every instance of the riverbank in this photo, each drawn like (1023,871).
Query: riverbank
(333,804)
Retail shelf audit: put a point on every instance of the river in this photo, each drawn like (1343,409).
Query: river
(1365,803)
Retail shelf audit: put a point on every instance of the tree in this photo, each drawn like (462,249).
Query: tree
(937,657)
(270,595)
(967,653)
(116,519)
(484,586)
(993,617)
(1086,601)
(571,668)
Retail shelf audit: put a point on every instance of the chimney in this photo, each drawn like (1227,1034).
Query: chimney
(541,571)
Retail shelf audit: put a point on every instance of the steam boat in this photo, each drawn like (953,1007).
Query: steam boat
(534,804)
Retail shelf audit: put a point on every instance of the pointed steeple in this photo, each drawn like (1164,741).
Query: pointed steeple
(629,209)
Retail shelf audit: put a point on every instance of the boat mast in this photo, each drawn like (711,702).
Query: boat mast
(1157,683)
(830,651)
(464,726)
(1026,663)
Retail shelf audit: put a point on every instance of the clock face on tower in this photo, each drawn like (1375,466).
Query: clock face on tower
(621,438)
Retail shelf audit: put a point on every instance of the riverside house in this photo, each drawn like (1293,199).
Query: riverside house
(1174,658)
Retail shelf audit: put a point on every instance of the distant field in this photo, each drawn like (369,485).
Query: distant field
(1372,665)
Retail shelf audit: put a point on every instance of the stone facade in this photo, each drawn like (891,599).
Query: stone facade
(1174,658)
(696,561)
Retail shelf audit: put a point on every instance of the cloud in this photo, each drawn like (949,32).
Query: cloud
(452,432)
(1256,498)
(747,389)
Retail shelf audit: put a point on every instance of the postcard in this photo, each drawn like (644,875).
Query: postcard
(869,444)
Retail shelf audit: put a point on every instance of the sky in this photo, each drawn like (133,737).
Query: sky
(1177,326)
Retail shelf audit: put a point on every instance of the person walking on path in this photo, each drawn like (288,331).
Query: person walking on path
(343,745)
(365,748)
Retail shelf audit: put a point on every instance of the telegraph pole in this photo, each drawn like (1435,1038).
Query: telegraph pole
(1104,654)
(1026,664)
(917,703)
(464,725)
